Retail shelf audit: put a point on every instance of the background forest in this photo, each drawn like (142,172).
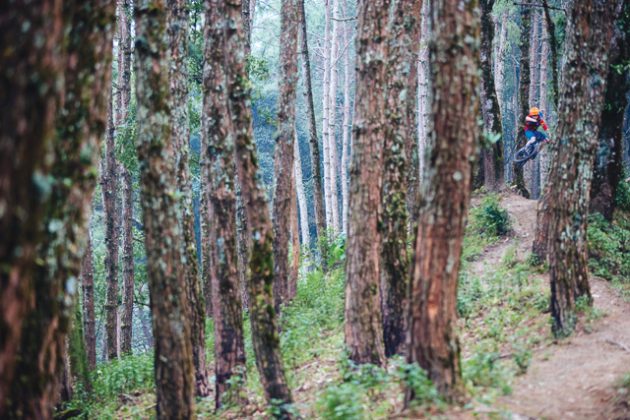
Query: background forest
(311,209)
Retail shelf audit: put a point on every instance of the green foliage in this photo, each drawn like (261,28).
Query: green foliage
(340,402)
(123,375)
(364,389)
(316,311)
(609,247)
(622,196)
(489,219)
(484,370)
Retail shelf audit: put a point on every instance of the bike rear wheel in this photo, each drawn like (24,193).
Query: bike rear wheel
(524,154)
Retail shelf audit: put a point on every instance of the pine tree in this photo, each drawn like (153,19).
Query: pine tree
(433,342)
(174,369)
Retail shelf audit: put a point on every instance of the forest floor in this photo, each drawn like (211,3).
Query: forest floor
(512,366)
(578,377)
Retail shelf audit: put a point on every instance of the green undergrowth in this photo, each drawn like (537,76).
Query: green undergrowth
(609,249)
(500,319)
(487,223)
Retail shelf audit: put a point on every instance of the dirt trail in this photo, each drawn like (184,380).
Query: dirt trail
(574,378)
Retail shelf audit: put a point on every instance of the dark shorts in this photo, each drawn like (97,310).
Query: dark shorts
(540,136)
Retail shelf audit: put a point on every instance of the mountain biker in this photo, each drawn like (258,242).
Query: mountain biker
(532,123)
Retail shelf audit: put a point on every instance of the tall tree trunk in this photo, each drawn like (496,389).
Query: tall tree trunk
(219,153)
(122,111)
(174,369)
(318,195)
(265,338)
(544,95)
(284,154)
(609,167)
(206,240)
(332,117)
(295,245)
(531,170)
(325,115)
(424,90)
(492,154)
(553,47)
(433,342)
(301,195)
(87,289)
(110,197)
(363,322)
(347,123)
(180,133)
(128,266)
(37,299)
(589,32)
(403,28)
(524,81)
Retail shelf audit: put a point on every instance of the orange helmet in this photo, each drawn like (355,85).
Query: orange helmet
(534,111)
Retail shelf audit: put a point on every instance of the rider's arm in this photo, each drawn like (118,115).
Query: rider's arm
(544,125)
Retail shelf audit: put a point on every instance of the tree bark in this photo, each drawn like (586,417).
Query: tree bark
(110,197)
(524,81)
(325,115)
(122,111)
(424,90)
(284,153)
(553,47)
(332,117)
(126,326)
(318,195)
(295,245)
(265,338)
(301,195)
(492,154)
(219,153)
(87,286)
(403,29)
(433,342)
(363,319)
(41,92)
(589,32)
(347,123)
(609,167)
(174,374)
(180,132)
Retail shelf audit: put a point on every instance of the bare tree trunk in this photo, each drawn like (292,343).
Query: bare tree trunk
(492,155)
(128,268)
(424,90)
(363,322)
(219,149)
(180,136)
(433,342)
(174,369)
(122,110)
(609,167)
(301,195)
(295,244)
(109,187)
(532,169)
(318,195)
(347,123)
(87,286)
(403,29)
(284,153)
(265,337)
(524,81)
(589,32)
(553,48)
(325,115)
(544,94)
(332,117)
(53,171)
